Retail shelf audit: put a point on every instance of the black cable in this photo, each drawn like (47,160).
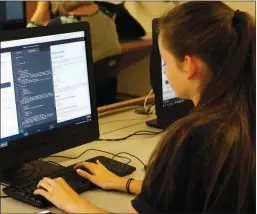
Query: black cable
(150,132)
(40,171)
(58,156)
(114,121)
(98,150)
(131,156)
(5,196)
(124,127)
(142,132)
(114,155)
(125,164)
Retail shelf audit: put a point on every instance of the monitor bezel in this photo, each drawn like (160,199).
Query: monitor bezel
(56,140)
(16,24)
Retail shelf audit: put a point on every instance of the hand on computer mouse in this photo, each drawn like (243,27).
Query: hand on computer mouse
(101,176)
(59,193)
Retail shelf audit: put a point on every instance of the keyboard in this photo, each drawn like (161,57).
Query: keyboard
(78,184)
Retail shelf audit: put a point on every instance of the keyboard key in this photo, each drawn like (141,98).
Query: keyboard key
(77,183)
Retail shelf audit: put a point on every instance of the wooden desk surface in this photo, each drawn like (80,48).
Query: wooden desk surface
(137,45)
(115,125)
(127,103)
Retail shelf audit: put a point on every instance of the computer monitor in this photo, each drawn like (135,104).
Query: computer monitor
(168,107)
(48,99)
(12,15)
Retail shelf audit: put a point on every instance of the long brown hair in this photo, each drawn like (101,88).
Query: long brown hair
(225,41)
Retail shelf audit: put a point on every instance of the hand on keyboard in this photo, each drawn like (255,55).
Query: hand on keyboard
(99,175)
(59,193)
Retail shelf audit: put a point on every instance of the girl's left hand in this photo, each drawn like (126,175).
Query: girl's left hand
(59,193)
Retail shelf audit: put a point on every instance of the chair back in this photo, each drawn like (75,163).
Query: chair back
(106,72)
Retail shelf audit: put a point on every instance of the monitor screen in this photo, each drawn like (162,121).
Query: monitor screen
(167,91)
(168,95)
(44,84)
(12,11)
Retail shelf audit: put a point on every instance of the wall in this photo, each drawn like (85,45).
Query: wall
(247,6)
(135,79)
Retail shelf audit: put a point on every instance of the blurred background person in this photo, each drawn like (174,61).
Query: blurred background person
(134,18)
(104,39)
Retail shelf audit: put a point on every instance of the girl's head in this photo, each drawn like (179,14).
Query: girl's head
(209,52)
(64,7)
(206,44)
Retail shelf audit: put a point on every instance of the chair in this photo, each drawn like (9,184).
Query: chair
(106,72)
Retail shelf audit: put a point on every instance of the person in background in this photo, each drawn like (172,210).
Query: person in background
(205,162)
(133,19)
(138,15)
(104,36)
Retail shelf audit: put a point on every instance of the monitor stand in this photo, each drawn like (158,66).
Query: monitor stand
(29,172)
(154,123)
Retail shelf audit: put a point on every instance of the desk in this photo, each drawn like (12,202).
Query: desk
(112,125)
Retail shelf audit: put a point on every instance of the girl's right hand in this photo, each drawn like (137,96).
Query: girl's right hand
(101,176)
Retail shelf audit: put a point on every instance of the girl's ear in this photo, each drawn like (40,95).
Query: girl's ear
(192,65)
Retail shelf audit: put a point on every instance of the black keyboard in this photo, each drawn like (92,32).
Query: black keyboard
(78,184)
